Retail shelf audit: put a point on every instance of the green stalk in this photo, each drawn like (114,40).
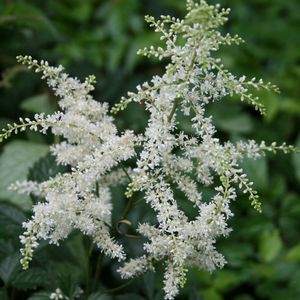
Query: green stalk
(98,270)
(175,105)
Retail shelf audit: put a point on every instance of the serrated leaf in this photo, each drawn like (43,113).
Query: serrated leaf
(43,169)
(38,104)
(11,219)
(31,279)
(8,266)
(270,245)
(12,213)
(15,161)
(66,275)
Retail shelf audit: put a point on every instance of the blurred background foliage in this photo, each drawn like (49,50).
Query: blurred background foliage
(101,38)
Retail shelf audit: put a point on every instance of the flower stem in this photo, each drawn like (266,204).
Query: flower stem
(120,287)
(175,105)
(98,270)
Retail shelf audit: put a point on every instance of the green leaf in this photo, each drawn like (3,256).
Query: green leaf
(11,219)
(160,295)
(271,102)
(236,124)
(40,296)
(15,161)
(193,295)
(66,275)
(202,276)
(236,256)
(226,280)
(270,245)
(293,254)
(257,172)
(76,247)
(14,214)
(290,105)
(6,248)
(28,15)
(284,271)
(8,267)
(266,271)
(295,282)
(231,120)
(115,55)
(30,279)
(211,294)
(99,296)
(43,169)
(149,284)
(80,13)
(38,104)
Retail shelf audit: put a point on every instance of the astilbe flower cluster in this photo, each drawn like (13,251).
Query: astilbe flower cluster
(170,159)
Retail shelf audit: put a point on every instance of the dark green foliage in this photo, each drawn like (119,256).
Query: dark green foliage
(44,169)
(101,38)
